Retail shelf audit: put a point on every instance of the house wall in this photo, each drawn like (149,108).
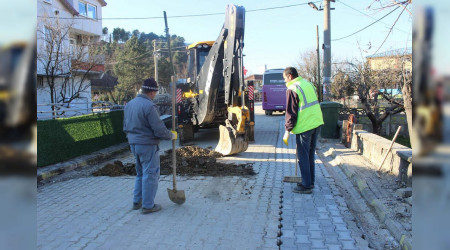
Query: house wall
(381,63)
(48,11)
(77,107)
(82,24)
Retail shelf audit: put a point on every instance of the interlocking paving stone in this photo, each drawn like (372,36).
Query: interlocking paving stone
(95,212)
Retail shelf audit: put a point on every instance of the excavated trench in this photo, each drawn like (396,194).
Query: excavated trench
(191,161)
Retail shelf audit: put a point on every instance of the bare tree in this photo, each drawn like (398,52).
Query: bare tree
(373,85)
(342,86)
(307,66)
(66,66)
(405,5)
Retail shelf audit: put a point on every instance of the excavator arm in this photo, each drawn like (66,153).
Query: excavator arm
(223,61)
(220,85)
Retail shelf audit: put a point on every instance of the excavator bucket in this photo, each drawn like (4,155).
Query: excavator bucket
(229,143)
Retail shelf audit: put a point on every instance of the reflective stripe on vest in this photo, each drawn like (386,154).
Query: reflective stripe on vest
(309,113)
(306,104)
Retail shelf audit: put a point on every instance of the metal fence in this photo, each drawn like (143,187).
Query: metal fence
(389,126)
(358,112)
(64,110)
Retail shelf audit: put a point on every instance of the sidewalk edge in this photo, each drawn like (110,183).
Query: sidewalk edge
(93,158)
(378,206)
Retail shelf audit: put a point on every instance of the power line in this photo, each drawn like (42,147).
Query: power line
(280,7)
(390,30)
(182,16)
(143,54)
(369,16)
(366,26)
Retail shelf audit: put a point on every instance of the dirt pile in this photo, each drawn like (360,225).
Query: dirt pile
(191,161)
(116,169)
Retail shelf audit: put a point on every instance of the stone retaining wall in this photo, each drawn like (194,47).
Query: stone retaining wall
(374,147)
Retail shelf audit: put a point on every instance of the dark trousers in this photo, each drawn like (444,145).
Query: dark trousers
(306,147)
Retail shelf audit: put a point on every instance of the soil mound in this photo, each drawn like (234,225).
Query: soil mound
(191,161)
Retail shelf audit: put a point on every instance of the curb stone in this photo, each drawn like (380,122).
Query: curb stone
(94,158)
(380,209)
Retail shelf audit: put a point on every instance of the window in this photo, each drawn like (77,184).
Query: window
(92,11)
(87,10)
(273,79)
(72,47)
(48,34)
(82,8)
(40,81)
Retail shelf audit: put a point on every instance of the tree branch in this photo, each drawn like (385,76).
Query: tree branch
(390,100)
(390,30)
(404,6)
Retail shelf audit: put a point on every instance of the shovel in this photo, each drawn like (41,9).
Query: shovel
(296,178)
(177,196)
(387,152)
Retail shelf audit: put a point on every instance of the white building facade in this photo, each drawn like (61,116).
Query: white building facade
(66,33)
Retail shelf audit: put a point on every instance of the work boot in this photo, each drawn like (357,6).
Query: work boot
(302,190)
(136,206)
(155,208)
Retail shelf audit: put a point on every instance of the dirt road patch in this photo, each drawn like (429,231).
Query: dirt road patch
(191,161)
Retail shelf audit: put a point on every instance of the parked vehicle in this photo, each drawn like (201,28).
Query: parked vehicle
(273,91)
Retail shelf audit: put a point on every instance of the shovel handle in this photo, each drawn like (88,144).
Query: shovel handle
(390,147)
(174,153)
(174,166)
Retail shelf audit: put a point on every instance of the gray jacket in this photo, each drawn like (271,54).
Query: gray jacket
(141,122)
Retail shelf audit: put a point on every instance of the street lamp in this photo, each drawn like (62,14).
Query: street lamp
(314,6)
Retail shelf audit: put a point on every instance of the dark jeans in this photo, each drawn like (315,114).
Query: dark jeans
(306,147)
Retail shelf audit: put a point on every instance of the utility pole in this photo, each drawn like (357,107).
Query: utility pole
(327,51)
(155,58)
(319,89)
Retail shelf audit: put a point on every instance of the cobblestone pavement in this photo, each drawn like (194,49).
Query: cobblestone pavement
(219,213)
(312,221)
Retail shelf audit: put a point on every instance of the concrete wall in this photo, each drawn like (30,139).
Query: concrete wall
(389,126)
(374,147)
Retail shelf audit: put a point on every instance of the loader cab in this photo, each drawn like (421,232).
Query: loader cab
(197,53)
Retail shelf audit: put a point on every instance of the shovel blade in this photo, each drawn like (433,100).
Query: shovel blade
(176,196)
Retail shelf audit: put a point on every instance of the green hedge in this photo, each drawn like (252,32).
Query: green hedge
(63,139)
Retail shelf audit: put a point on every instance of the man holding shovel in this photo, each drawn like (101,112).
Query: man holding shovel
(144,129)
(303,118)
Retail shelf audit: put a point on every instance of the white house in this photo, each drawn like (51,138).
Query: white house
(66,32)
